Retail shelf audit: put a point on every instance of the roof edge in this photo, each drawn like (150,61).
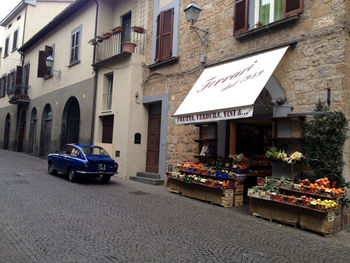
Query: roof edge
(13,13)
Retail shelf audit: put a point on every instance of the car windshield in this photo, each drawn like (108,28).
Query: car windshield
(94,151)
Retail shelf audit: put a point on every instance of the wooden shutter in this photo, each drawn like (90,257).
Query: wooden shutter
(165,35)
(241,16)
(292,7)
(19,73)
(157,39)
(42,64)
(26,74)
(14,44)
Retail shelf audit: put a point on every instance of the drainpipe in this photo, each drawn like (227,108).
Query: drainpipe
(95,80)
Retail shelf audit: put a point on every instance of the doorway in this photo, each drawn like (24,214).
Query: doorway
(126,24)
(153,138)
(70,122)
(46,126)
(22,125)
(7,131)
(32,130)
(107,128)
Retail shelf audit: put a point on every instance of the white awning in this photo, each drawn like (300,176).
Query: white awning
(228,91)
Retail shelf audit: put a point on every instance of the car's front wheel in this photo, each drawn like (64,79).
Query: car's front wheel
(105,179)
(72,176)
(51,169)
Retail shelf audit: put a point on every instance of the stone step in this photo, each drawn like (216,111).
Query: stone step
(148,175)
(146,180)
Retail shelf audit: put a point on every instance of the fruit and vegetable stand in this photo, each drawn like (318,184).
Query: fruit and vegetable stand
(312,206)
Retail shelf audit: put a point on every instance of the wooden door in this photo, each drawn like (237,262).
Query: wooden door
(107,128)
(153,139)
(22,126)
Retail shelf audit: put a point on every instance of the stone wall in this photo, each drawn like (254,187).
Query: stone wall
(318,62)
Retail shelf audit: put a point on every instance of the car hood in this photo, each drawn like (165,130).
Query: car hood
(99,158)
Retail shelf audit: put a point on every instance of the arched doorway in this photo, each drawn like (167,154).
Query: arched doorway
(22,126)
(46,126)
(7,131)
(70,122)
(32,130)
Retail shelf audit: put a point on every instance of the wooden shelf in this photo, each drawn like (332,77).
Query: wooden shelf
(198,183)
(308,193)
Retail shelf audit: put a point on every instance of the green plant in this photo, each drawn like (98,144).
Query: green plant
(325,135)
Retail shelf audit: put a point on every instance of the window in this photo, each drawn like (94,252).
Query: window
(75,46)
(6,51)
(11,82)
(45,71)
(108,92)
(2,86)
(164,38)
(250,14)
(26,68)
(18,18)
(107,128)
(14,43)
(9,26)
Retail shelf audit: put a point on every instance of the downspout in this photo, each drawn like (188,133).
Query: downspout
(95,80)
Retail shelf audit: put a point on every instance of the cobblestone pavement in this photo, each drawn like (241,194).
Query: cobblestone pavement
(46,218)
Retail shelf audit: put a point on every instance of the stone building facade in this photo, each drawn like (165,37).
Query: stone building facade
(315,65)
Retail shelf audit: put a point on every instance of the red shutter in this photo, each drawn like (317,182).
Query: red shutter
(166,37)
(241,16)
(41,64)
(19,73)
(157,39)
(293,7)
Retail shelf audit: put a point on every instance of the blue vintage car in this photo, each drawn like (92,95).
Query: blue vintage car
(82,160)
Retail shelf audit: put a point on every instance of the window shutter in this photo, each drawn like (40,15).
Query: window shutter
(157,39)
(8,89)
(241,16)
(293,7)
(26,74)
(166,36)
(42,64)
(18,75)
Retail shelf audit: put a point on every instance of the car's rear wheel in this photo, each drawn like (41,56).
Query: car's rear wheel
(72,176)
(51,169)
(105,179)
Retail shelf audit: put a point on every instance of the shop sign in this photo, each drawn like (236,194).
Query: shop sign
(234,85)
(215,116)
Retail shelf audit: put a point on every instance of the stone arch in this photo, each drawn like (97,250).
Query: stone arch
(70,122)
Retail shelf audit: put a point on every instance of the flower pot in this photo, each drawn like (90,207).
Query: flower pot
(138,29)
(128,47)
(117,30)
(107,35)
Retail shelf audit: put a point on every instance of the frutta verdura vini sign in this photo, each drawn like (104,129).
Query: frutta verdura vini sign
(216,116)
(228,91)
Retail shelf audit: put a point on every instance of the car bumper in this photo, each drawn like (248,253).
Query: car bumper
(96,173)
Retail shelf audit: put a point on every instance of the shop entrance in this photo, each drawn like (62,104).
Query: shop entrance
(153,138)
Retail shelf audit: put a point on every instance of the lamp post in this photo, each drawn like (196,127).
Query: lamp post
(192,12)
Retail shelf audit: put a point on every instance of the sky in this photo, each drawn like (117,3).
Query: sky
(6,7)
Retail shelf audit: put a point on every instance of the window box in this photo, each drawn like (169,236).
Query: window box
(107,35)
(117,30)
(138,29)
(128,47)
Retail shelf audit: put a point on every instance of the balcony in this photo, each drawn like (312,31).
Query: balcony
(20,95)
(120,44)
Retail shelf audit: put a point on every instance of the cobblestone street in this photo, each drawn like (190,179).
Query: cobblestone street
(46,218)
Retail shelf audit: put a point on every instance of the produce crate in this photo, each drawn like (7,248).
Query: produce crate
(239,189)
(222,197)
(317,222)
(238,200)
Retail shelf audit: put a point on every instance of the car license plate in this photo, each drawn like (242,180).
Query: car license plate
(101,167)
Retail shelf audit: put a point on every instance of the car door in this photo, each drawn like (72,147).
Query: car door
(63,158)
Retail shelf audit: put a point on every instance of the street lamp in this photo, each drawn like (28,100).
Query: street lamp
(192,12)
(49,64)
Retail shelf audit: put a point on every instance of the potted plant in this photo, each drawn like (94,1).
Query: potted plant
(117,30)
(138,29)
(107,35)
(259,24)
(128,47)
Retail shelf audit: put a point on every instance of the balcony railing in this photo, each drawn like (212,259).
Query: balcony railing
(128,41)
(20,95)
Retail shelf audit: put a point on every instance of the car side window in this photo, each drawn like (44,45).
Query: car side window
(67,149)
(74,152)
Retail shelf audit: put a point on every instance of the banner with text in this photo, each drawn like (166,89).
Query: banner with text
(215,116)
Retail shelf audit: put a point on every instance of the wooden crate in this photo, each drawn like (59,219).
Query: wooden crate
(239,189)
(238,200)
(222,197)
